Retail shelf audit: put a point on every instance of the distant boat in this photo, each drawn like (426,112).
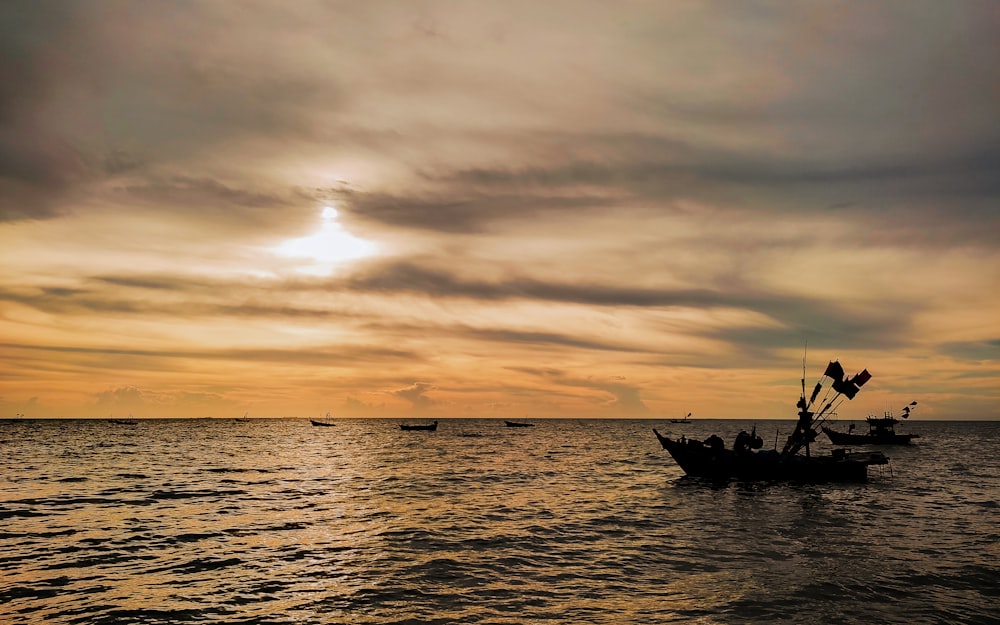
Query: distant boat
(881,431)
(686,419)
(747,461)
(322,423)
(243,419)
(129,421)
(428,428)
(518,424)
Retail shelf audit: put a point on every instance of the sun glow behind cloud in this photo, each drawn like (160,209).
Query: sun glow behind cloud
(477,218)
(326,249)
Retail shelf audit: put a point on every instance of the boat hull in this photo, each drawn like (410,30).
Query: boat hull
(699,460)
(884,438)
(425,428)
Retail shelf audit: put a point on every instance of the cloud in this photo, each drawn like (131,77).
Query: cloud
(627,398)
(130,89)
(988,350)
(676,185)
(540,339)
(613,393)
(184,192)
(158,403)
(316,355)
(457,210)
(823,320)
(871,192)
(415,394)
(36,163)
(126,397)
(356,407)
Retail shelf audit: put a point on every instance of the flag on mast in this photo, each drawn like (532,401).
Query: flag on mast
(849,387)
(845,387)
(834,370)
(859,379)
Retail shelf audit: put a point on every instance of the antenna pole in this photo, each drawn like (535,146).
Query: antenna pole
(805,349)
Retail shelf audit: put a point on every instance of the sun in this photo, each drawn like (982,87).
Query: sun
(328,247)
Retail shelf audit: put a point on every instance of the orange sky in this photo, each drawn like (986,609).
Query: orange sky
(480,209)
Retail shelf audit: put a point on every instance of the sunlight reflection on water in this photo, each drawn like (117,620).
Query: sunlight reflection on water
(274,521)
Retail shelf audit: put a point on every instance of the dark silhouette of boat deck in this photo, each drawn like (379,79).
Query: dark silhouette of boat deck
(747,461)
(881,431)
(712,460)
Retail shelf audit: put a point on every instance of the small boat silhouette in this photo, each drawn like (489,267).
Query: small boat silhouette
(324,424)
(428,428)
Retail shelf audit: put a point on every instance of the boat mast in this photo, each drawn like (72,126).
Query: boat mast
(805,429)
(802,400)
(800,436)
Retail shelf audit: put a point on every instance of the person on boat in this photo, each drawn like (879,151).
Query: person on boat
(715,442)
(742,442)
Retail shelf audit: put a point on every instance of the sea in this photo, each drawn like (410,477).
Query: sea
(275,521)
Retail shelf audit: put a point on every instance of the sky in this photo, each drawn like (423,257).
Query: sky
(497,209)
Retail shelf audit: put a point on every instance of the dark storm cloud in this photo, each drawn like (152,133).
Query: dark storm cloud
(929,190)
(407,277)
(35,162)
(459,209)
(165,85)
(823,322)
(95,90)
(852,119)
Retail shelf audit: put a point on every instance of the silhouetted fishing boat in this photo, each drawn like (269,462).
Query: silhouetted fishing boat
(129,421)
(747,461)
(686,419)
(324,424)
(428,428)
(881,431)
(244,419)
(518,424)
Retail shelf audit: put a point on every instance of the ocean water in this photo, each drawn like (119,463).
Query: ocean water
(571,521)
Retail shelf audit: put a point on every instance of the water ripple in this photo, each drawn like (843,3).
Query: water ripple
(568,522)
